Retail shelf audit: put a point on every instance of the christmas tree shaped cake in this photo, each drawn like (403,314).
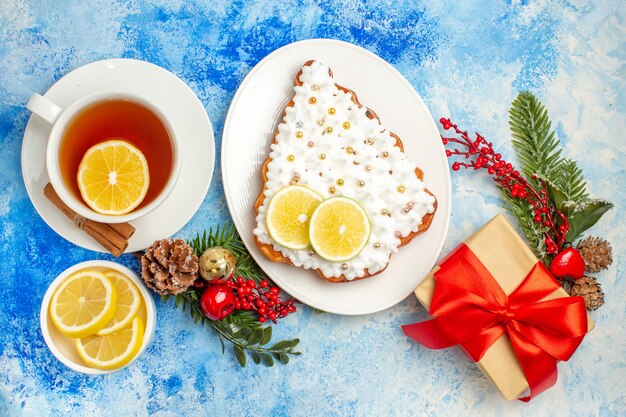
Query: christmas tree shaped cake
(327,146)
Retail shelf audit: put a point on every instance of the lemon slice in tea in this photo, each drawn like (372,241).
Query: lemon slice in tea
(113,177)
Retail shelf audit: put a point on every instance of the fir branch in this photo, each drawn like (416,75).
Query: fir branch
(533,231)
(571,182)
(241,328)
(536,147)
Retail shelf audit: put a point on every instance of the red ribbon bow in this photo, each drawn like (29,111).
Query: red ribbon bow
(470,309)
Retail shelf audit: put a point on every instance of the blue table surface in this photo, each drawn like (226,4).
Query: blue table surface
(466,60)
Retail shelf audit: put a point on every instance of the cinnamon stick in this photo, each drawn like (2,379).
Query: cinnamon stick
(113,237)
(126,230)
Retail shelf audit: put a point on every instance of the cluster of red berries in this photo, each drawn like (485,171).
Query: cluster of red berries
(480,154)
(262,298)
(220,298)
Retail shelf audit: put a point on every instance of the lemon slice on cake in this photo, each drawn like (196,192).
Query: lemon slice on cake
(128,302)
(113,177)
(114,350)
(288,215)
(83,304)
(339,229)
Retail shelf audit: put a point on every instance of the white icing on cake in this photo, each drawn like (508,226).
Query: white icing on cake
(389,185)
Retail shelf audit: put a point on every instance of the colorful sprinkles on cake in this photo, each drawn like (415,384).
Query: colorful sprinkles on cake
(328,143)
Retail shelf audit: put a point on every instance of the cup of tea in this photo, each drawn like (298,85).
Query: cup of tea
(97,122)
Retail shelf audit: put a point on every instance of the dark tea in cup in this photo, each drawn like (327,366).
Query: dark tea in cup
(122,119)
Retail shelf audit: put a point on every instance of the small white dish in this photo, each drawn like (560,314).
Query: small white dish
(248,132)
(62,347)
(182,108)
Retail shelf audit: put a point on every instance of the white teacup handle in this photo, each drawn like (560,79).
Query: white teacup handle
(44,108)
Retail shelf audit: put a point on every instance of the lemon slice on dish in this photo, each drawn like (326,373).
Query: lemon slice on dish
(339,229)
(113,177)
(288,215)
(83,304)
(128,302)
(113,350)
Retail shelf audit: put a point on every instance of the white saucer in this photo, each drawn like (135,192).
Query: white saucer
(250,127)
(183,108)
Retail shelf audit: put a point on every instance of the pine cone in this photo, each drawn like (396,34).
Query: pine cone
(596,252)
(169,266)
(589,289)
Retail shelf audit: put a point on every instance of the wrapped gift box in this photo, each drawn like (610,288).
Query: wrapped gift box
(507,257)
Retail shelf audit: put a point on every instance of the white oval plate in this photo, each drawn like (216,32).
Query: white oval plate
(249,131)
(184,110)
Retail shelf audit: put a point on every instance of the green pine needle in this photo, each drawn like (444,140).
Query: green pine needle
(571,182)
(535,145)
(533,231)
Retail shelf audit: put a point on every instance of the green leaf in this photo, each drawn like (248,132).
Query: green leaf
(282,357)
(255,337)
(534,143)
(267,336)
(256,358)
(285,345)
(177,300)
(584,219)
(267,359)
(241,357)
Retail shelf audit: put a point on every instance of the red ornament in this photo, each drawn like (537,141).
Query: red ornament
(217,301)
(569,262)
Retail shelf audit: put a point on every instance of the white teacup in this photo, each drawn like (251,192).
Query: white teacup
(59,118)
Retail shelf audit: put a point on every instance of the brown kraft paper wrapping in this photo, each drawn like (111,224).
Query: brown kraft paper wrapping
(507,257)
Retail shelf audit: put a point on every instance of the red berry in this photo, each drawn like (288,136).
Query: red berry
(491,170)
(456,166)
(240,280)
(498,156)
(448,153)
(262,319)
(537,212)
(217,302)
(544,209)
(444,140)
(262,311)
(568,262)
(264,284)
(537,219)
